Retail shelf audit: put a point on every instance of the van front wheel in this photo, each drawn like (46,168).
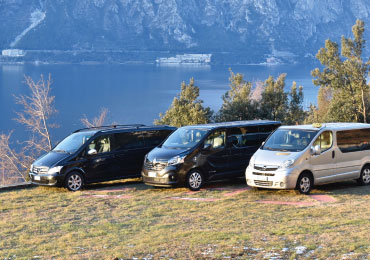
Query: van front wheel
(194,180)
(74,181)
(304,183)
(365,176)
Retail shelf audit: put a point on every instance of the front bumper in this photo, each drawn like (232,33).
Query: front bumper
(167,177)
(45,179)
(279,179)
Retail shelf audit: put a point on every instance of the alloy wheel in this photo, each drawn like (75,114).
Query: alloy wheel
(305,184)
(366,176)
(195,180)
(75,182)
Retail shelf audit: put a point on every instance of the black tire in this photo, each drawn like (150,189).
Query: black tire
(364,177)
(74,181)
(194,180)
(305,183)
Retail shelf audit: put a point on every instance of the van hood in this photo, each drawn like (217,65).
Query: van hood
(164,154)
(266,157)
(50,159)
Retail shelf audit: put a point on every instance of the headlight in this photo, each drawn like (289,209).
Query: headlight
(287,163)
(176,160)
(55,169)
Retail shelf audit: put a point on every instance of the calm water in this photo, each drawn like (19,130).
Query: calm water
(132,93)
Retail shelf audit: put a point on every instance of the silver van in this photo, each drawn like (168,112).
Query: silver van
(299,157)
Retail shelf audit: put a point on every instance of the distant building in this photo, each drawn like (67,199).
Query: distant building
(13,53)
(187,59)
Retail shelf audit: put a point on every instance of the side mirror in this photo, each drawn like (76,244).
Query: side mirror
(315,150)
(206,147)
(92,152)
(263,143)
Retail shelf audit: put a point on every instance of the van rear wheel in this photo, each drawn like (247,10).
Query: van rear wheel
(74,181)
(194,180)
(365,176)
(304,183)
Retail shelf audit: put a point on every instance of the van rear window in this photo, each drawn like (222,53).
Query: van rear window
(353,140)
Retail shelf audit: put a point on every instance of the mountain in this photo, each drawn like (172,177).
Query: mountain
(244,30)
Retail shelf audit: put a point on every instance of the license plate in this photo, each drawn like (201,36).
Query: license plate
(36,178)
(152,174)
(262,178)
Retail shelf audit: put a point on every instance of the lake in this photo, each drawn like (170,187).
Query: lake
(132,93)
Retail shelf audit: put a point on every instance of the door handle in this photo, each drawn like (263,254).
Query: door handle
(333,154)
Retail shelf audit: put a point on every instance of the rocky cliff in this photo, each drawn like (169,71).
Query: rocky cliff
(257,29)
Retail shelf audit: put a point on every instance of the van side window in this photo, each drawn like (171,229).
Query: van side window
(216,139)
(244,137)
(154,138)
(325,141)
(265,131)
(266,128)
(128,141)
(353,140)
(102,144)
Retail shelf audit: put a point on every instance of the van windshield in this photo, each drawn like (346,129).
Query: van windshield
(73,142)
(184,138)
(289,140)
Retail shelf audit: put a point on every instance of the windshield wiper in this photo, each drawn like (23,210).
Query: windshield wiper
(269,148)
(61,151)
(276,149)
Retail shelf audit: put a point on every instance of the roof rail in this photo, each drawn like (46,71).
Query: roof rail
(109,126)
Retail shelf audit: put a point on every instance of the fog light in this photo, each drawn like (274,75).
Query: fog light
(282,184)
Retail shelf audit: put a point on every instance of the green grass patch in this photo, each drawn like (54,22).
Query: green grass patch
(52,223)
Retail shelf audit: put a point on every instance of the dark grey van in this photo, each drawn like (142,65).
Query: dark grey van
(193,155)
(98,154)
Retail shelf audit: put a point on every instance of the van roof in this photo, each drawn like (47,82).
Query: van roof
(118,128)
(236,124)
(329,126)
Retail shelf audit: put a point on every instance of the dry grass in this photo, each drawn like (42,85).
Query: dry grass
(138,221)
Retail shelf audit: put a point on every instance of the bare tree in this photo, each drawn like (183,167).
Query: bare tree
(96,121)
(14,165)
(37,109)
(256,93)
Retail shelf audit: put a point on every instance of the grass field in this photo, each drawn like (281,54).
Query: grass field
(128,220)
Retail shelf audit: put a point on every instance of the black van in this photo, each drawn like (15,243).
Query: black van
(193,155)
(98,154)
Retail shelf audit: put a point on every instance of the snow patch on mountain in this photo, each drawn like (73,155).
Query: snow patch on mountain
(36,18)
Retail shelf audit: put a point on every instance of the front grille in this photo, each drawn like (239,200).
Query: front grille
(264,174)
(155,180)
(40,169)
(263,183)
(265,167)
(158,166)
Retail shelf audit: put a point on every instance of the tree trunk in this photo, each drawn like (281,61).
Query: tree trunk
(46,130)
(363,105)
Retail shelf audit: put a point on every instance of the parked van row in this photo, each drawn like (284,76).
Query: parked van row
(292,157)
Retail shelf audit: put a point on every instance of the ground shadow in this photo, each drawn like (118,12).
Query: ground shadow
(343,188)
(127,183)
